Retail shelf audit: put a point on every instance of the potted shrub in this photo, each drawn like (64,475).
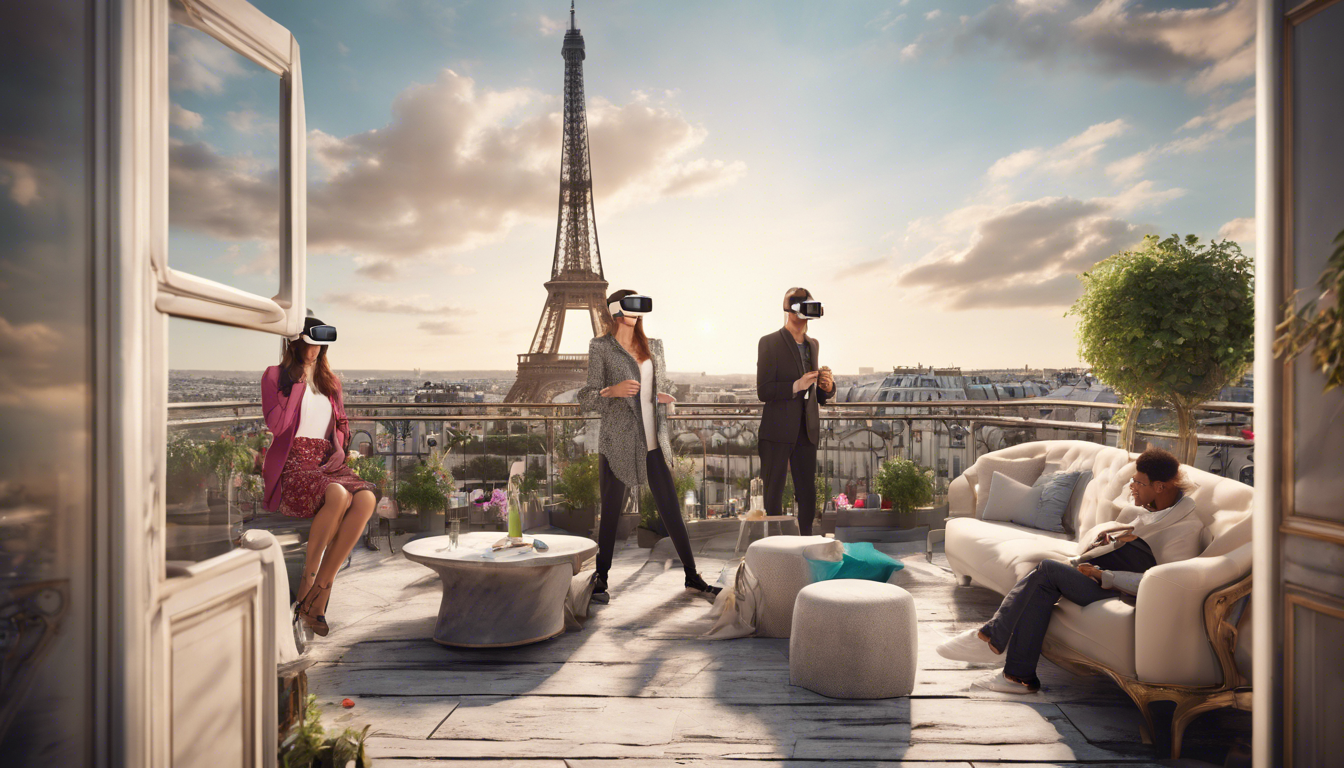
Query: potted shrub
(1171,323)
(578,489)
(227,458)
(188,474)
(907,486)
(425,490)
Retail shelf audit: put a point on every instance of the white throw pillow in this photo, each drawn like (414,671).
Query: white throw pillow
(1011,501)
(1024,471)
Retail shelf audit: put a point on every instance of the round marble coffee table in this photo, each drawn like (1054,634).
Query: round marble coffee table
(507,599)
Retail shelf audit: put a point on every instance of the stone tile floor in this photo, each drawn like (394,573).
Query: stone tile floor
(638,684)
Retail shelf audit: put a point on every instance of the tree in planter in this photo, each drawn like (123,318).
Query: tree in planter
(1170,323)
(426,488)
(578,483)
(905,484)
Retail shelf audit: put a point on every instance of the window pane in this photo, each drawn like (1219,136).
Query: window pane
(224,157)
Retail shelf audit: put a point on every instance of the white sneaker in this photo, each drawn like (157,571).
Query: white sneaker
(968,646)
(999,683)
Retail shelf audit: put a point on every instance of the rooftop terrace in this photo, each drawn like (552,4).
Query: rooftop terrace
(639,684)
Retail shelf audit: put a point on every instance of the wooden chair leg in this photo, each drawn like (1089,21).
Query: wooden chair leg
(1189,709)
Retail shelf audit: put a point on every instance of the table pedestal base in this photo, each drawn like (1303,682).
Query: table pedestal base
(500,607)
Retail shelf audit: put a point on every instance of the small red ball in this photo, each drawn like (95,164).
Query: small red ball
(347,703)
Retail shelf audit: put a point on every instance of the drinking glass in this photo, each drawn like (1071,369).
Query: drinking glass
(454,529)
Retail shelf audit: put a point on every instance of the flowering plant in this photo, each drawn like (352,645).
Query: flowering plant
(500,501)
(841,500)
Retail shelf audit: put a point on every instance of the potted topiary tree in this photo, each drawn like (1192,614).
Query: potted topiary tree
(909,488)
(1171,323)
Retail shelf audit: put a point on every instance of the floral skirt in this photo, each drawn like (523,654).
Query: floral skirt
(304,481)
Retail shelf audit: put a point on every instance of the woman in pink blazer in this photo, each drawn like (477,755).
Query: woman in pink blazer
(305,470)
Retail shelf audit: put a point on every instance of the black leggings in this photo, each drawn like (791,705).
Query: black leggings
(664,497)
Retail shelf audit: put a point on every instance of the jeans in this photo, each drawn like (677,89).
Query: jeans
(664,497)
(1018,627)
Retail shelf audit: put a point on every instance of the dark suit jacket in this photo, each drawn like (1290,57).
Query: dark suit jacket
(778,365)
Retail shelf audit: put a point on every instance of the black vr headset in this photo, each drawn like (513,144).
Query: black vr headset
(632,305)
(807,310)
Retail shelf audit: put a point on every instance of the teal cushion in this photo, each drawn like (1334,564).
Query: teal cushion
(860,561)
(1056,492)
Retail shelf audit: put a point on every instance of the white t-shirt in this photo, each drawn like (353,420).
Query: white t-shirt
(314,414)
(648,400)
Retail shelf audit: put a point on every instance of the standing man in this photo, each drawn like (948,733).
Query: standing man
(791,385)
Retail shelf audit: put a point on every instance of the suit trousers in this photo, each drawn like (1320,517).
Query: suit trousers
(664,497)
(801,458)
(1018,627)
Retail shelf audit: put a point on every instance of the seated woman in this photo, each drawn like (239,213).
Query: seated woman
(1158,529)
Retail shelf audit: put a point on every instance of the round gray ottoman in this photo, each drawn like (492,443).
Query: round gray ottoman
(854,639)
(781,570)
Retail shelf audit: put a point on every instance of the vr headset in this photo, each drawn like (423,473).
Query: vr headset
(316,333)
(633,305)
(807,310)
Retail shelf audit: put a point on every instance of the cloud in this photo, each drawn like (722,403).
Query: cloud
(198,62)
(185,118)
(863,268)
(910,52)
(36,375)
(248,121)
(548,26)
(931,15)
(1029,254)
(1226,117)
(342,48)
(1206,47)
(391,305)
(440,328)
(1070,156)
(1220,120)
(1241,231)
(457,166)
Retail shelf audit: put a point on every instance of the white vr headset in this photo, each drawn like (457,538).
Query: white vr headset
(807,310)
(633,305)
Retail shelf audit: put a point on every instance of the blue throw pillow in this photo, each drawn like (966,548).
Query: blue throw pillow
(1056,491)
(860,561)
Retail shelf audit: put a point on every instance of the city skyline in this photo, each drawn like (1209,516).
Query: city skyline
(936,175)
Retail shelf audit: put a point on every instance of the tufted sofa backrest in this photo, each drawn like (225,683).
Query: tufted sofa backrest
(1223,504)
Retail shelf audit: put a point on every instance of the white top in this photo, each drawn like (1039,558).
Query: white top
(648,401)
(314,414)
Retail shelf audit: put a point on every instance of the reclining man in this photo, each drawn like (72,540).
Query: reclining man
(1160,528)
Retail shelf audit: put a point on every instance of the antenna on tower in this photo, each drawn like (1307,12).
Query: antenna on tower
(571,15)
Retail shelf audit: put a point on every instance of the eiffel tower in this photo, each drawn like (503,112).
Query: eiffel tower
(576,270)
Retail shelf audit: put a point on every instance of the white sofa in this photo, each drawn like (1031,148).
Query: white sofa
(1163,648)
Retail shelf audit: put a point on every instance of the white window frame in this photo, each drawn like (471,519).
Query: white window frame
(244,29)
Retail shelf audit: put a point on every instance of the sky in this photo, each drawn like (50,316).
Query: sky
(938,174)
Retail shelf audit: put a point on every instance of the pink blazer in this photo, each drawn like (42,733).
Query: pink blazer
(282,419)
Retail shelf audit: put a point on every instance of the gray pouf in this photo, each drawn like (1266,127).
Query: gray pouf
(781,570)
(854,639)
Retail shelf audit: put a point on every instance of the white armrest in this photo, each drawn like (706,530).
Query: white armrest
(1171,643)
(961,496)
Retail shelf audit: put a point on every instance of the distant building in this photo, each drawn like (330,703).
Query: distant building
(865,371)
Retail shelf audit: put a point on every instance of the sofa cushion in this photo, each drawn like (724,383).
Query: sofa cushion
(1056,495)
(1102,631)
(1011,501)
(998,554)
(1024,471)
(1070,518)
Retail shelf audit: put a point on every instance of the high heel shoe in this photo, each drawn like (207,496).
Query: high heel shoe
(693,581)
(316,622)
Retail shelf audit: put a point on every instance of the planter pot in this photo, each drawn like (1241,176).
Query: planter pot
(646,538)
(576,521)
(626,526)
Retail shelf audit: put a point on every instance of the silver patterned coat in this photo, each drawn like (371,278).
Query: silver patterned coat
(621,435)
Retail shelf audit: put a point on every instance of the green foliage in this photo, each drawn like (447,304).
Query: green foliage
(683,480)
(531,480)
(371,469)
(187,468)
(787,503)
(578,483)
(1172,322)
(226,456)
(425,488)
(823,492)
(489,469)
(309,746)
(905,484)
(1319,323)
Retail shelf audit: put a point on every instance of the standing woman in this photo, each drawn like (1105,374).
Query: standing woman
(305,471)
(627,381)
